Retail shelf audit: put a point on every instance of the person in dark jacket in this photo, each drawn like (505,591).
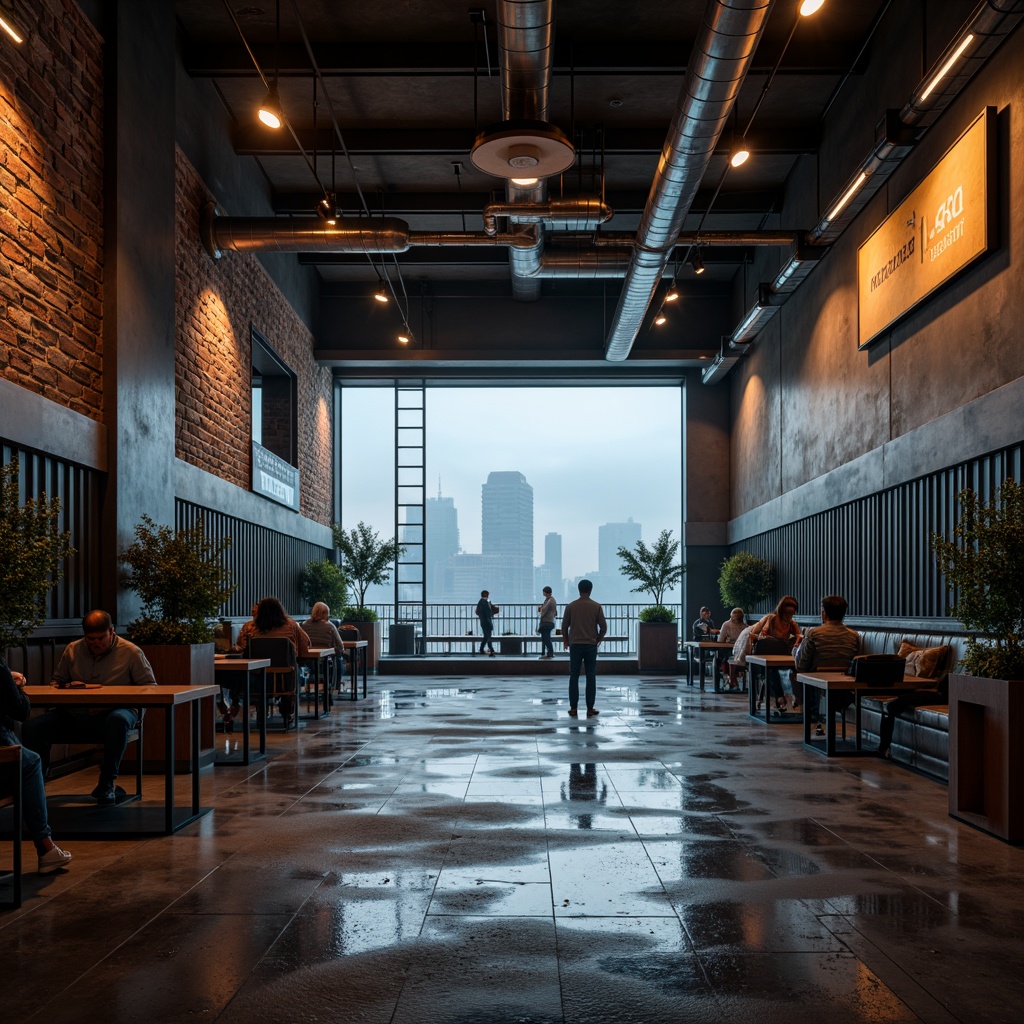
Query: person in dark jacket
(15,707)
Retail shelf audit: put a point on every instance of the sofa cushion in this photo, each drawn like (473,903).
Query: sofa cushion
(926,662)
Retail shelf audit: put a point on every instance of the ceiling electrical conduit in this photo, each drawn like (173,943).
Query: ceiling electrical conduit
(722,56)
(988,26)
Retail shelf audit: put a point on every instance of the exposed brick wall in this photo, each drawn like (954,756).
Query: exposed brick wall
(217,302)
(51,206)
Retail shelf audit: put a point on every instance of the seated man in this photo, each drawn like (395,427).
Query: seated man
(828,646)
(103,657)
(15,707)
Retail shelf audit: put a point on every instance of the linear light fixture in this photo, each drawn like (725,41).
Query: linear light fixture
(944,70)
(11,29)
(847,196)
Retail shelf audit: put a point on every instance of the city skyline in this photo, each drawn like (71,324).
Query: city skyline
(592,455)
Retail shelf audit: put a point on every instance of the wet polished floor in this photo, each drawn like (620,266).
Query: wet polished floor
(460,851)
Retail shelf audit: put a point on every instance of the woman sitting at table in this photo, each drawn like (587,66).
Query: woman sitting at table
(729,634)
(272,620)
(779,625)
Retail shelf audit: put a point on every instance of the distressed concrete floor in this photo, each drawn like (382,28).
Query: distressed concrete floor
(459,850)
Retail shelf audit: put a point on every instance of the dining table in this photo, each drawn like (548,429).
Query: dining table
(239,675)
(705,652)
(759,665)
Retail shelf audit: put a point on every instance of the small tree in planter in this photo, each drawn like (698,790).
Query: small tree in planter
(745,580)
(654,570)
(32,553)
(181,578)
(323,581)
(984,568)
(367,558)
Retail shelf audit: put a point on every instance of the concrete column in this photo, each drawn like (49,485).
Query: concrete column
(139,272)
(705,495)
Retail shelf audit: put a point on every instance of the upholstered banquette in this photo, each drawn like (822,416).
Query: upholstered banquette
(921,735)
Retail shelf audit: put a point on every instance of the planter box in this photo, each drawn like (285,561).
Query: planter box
(510,646)
(657,646)
(191,664)
(986,756)
(371,632)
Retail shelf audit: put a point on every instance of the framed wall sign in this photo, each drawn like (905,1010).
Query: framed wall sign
(944,225)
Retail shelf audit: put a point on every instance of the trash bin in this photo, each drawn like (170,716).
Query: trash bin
(402,638)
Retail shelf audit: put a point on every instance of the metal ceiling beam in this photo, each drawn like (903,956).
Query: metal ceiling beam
(254,140)
(455,59)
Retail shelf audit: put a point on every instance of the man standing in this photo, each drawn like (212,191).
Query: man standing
(583,628)
(485,612)
(828,646)
(548,612)
(102,657)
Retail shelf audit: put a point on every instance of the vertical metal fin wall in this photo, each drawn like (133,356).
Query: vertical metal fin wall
(263,562)
(411,502)
(79,490)
(877,551)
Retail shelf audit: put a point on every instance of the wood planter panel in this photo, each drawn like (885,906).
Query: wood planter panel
(986,754)
(657,646)
(372,633)
(192,665)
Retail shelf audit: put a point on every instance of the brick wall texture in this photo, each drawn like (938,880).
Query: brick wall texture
(51,206)
(218,301)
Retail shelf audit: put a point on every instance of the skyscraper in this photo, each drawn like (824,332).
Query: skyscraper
(611,537)
(550,573)
(442,535)
(507,532)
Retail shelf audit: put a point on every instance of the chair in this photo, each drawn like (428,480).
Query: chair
(12,756)
(283,674)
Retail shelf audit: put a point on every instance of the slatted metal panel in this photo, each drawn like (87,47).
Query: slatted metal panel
(79,492)
(877,551)
(263,562)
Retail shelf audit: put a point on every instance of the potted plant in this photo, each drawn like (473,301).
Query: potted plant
(983,564)
(182,580)
(654,570)
(32,552)
(324,581)
(745,581)
(367,560)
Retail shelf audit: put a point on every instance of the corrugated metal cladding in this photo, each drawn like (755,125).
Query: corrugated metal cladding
(263,562)
(79,492)
(877,552)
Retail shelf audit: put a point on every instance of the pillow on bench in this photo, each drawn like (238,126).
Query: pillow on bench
(926,662)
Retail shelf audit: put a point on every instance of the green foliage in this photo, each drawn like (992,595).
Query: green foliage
(651,567)
(657,613)
(350,613)
(984,569)
(367,558)
(323,581)
(32,553)
(182,580)
(745,581)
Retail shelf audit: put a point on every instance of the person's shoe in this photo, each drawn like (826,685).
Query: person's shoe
(490,654)
(573,713)
(53,860)
(591,712)
(104,793)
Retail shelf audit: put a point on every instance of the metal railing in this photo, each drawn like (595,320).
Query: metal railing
(515,619)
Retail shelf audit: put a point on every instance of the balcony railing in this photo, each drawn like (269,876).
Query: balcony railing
(518,619)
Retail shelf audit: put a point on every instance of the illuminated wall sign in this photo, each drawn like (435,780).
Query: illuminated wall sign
(274,478)
(941,227)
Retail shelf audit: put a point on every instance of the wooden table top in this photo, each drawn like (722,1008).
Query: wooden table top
(842,681)
(240,664)
(119,696)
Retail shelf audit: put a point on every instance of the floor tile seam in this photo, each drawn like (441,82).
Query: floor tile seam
(932,1011)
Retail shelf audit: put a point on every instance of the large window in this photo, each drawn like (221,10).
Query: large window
(526,487)
(273,401)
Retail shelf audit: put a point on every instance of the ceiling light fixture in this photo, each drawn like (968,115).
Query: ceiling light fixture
(660,318)
(697,261)
(522,151)
(405,336)
(740,156)
(847,196)
(270,109)
(944,70)
(11,29)
(380,295)
(524,182)
(809,7)
(673,293)
(327,208)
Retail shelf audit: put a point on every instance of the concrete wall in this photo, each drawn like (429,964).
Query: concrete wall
(814,417)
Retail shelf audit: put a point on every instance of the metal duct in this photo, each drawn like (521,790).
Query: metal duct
(581,214)
(721,57)
(526,35)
